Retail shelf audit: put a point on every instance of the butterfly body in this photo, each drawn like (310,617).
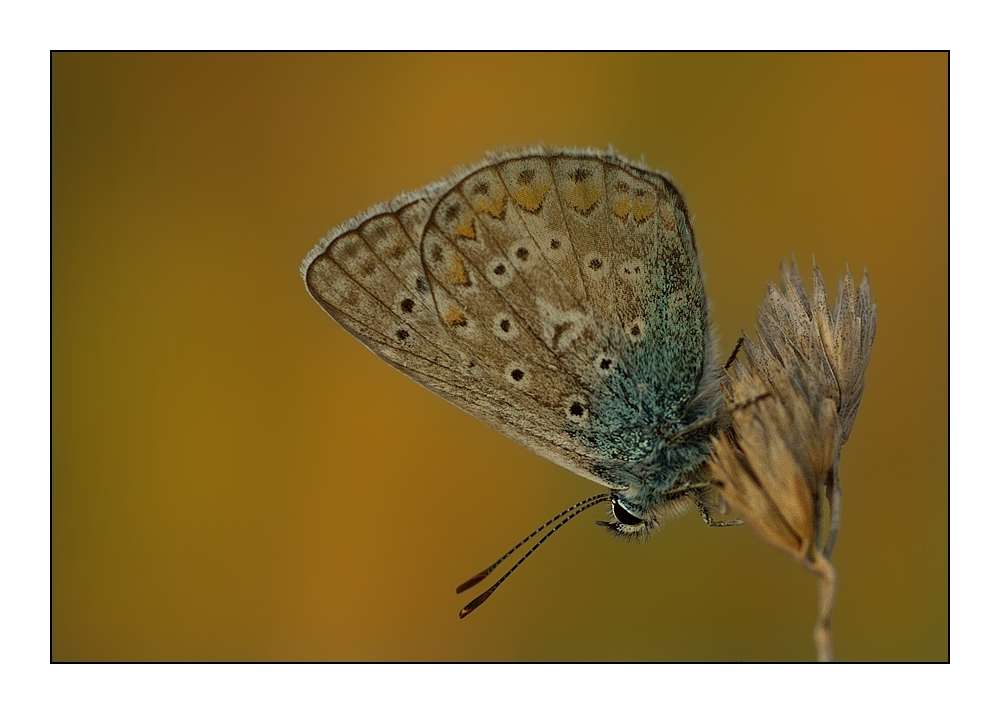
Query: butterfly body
(557,296)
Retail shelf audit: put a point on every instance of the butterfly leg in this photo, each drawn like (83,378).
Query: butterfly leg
(736,351)
(698,496)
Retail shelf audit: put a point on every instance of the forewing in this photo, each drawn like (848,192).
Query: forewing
(369,277)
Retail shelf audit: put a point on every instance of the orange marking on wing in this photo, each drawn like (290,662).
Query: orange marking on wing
(454,317)
(456,274)
(530,197)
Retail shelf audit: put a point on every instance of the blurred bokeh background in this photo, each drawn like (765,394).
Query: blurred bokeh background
(236,478)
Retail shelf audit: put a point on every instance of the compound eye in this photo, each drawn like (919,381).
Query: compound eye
(624,516)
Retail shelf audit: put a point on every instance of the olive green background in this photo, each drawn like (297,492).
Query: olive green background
(235,478)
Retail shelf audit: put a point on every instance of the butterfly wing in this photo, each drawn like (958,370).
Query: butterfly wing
(573,277)
(554,295)
(369,277)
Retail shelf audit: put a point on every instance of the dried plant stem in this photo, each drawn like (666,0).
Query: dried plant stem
(778,463)
(833,495)
(823,630)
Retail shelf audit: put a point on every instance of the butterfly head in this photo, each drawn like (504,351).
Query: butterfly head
(662,486)
(657,486)
(629,521)
(635,522)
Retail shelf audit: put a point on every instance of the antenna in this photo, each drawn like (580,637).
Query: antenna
(573,512)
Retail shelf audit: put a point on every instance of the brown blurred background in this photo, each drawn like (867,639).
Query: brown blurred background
(235,478)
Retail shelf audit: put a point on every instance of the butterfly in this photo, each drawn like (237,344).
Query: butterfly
(557,296)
